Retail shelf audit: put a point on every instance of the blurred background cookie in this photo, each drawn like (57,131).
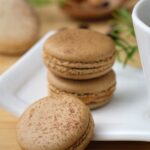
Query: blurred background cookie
(91,9)
(19,27)
(129,4)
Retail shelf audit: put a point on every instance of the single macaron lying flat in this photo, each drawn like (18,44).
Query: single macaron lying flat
(94,92)
(79,54)
(58,122)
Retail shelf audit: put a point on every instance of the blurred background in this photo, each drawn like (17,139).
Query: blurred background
(24,22)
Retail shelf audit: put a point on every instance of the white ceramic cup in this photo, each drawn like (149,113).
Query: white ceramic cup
(141,21)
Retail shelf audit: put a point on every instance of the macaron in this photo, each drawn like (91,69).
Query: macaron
(19,27)
(91,9)
(94,92)
(58,122)
(79,54)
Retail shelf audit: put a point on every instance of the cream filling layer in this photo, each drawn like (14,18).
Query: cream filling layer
(88,98)
(74,71)
(71,64)
(83,137)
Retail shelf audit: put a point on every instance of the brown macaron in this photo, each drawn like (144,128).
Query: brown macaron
(58,122)
(91,9)
(79,54)
(19,27)
(94,93)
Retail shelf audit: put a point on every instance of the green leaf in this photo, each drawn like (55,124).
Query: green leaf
(62,2)
(122,22)
(45,2)
(39,2)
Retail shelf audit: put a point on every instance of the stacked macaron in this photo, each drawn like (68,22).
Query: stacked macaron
(79,62)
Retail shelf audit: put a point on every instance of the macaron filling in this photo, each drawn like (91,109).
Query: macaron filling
(79,68)
(83,137)
(76,64)
(89,98)
(79,71)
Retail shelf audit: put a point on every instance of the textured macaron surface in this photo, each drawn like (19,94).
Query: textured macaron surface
(79,45)
(58,122)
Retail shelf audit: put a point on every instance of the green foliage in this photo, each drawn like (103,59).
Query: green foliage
(39,2)
(45,2)
(122,23)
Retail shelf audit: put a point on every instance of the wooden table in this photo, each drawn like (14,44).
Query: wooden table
(8,122)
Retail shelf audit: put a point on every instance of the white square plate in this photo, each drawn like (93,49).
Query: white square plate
(126,117)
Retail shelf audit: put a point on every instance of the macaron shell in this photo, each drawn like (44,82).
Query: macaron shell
(79,45)
(93,86)
(93,101)
(53,123)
